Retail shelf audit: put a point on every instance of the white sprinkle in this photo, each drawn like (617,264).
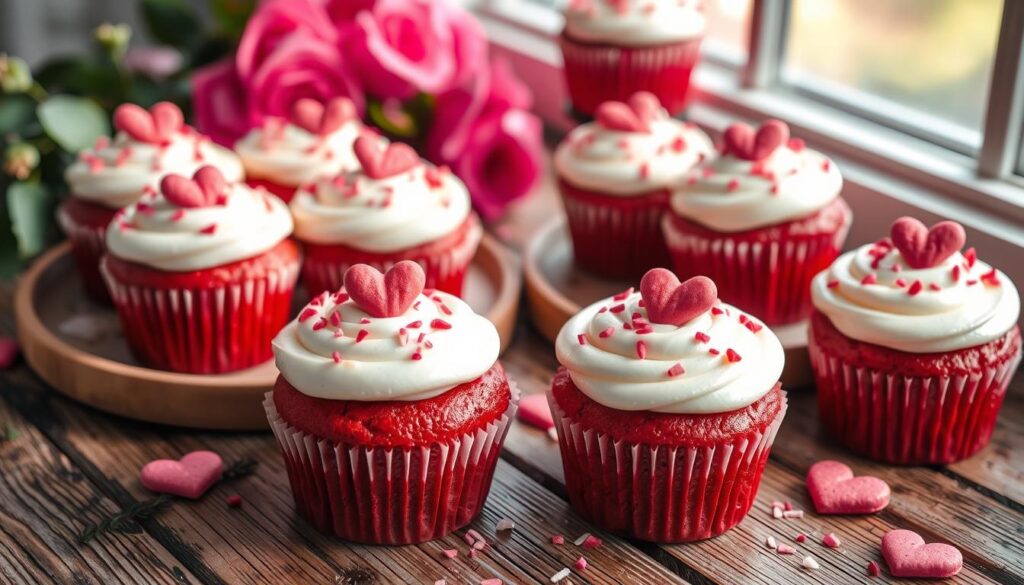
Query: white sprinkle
(810,563)
(505,524)
(580,540)
(560,575)
(793,514)
(776,513)
(771,543)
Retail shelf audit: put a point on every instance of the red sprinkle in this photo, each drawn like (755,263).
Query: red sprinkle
(956,273)
(716,311)
(753,327)
(557,539)
(787,506)
(873,570)
(606,333)
(618,308)
(450,553)
(990,278)
(800,537)
(414,325)
(641,350)
(645,171)
(209,230)
(732,356)
(796,144)
(582,339)
(869,279)
(234,501)
(440,324)
(306,314)
(971,255)
(676,370)
(581,564)
(900,282)
(934,287)
(678,144)
(623,295)
(335,319)
(733,185)
(592,542)
(915,288)
(702,337)
(826,165)
(833,283)
(830,540)
(361,335)
(336,356)
(417,356)
(714,351)
(320,324)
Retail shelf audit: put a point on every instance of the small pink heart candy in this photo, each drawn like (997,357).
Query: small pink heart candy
(385,295)
(744,142)
(646,106)
(673,303)
(620,117)
(212,183)
(534,410)
(189,477)
(380,160)
(908,556)
(835,490)
(182,191)
(167,120)
(155,126)
(923,247)
(313,117)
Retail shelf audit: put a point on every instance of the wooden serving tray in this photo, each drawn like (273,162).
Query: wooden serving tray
(556,289)
(77,347)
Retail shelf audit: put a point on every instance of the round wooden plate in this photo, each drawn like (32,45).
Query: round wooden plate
(76,346)
(556,290)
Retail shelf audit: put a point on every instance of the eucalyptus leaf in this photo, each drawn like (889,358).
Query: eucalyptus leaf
(172,22)
(72,122)
(16,112)
(231,15)
(29,206)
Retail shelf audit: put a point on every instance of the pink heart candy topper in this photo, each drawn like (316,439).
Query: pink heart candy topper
(835,490)
(673,303)
(381,159)
(923,247)
(206,188)
(744,142)
(908,556)
(385,295)
(315,118)
(189,477)
(635,115)
(158,125)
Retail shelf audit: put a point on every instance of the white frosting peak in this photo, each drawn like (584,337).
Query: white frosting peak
(634,22)
(288,155)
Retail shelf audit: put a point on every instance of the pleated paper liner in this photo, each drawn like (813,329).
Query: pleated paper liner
(87,246)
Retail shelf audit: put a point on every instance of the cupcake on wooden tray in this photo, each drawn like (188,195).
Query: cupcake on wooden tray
(395,207)
(615,174)
(666,407)
(114,173)
(913,345)
(390,409)
(202,273)
(760,220)
(316,141)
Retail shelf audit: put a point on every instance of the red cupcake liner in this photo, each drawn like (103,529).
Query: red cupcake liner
(205,329)
(598,73)
(905,419)
(88,244)
(661,493)
(283,192)
(396,495)
(616,237)
(765,272)
(445,267)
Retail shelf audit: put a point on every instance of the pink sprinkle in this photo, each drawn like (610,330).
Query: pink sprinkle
(896,268)
(320,324)
(9,349)
(956,273)
(417,356)
(714,351)
(800,537)
(873,570)
(364,321)
(787,506)
(421,337)
(414,325)
(335,319)
(581,564)
(708,172)
(451,553)
(716,311)
(623,295)
(557,539)
(440,324)
(122,156)
(915,288)
(102,142)
(676,370)
(900,282)
(336,357)
(479,545)
(775,189)
(471,533)
(732,356)
(972,282)
(971,255)
(833,283)
(702,337)
(990,278)
(830,540)
(534,411)
(306,314)
(785,549)
(644,330)
(606,333)
(580,338)
(796,144)
(826,165)
(618,308)
(934,287)
(645,171)
(234,501)
(733,185)
(592,542)
(444,309)
(679,144)
(603,310)
(177,215)
(340,297)
(869,279)
(753,327)
(209,230)
(641,350)
(361,335)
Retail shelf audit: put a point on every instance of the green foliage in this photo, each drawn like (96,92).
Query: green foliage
(172,22)
(29,205)
(73,123)
(231,15)
(16,113)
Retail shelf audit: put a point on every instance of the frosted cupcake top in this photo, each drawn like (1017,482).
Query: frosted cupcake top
(634,22)
(197,223)
(631,148)
(148,145)
(762,178)
(383,337)
(669,348)
(315,142)
(916,292)
(394,202)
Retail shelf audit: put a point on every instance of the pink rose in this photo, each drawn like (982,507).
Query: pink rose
(404,47)
(343,12)
(219,102)
(274,22)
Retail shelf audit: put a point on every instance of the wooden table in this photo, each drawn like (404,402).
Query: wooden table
(70,466)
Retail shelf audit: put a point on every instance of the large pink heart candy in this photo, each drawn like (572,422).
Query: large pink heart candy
(380,160)
(635,115)
(204,189)
(835,490)
(673,303)
(385,295)
(156,126)
(313,117)
(922,247)
(908,556)
(189,477)
(742,141)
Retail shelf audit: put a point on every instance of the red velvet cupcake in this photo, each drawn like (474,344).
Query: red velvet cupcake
(202,273)
(395,208)
(315,142)
(761,220)
(614,175)
(913,346)
(666,410)
(390,409)
(113,174)
(615,48)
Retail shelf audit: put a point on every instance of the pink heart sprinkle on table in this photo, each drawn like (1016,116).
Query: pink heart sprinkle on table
(908,556)
(189,477)
(835,490)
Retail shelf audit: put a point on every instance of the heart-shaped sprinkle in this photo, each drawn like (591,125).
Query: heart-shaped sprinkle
(313,117)
(380,159)
(204,189)
(635,115)
(534,410)
(155,126)
(835,490)
(908,556)
(673,303)
(189,477)
(922,247)
(385,295)
(744,142)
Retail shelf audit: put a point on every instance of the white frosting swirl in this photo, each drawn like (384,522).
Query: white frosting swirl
(606,365)
(117,173)
(411,357)
(957,305)
(164,236)
(382,215)
(631,163)
(289,155)
(729,194)
(634,22)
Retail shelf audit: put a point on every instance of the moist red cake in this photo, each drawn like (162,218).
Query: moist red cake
(283,192)
(85,224)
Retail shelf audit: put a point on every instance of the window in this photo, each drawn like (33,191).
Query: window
(728,23)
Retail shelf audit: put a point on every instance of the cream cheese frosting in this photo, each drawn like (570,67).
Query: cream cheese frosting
(336,350)
(617,162)
(157,233)
(732,194)
(414,207)
(719,361)
(634,22)
(873,295)
(289,155)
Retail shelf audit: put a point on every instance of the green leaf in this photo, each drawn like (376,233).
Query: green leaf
(29,206)
(15,112)
(172,22)
(72,122)
(231,15)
